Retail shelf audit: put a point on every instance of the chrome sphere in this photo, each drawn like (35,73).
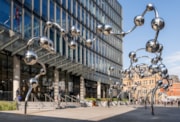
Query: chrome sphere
(111,68)
(152,46)
(132,55)
(153,68)
(107,29)
(149,7)
(122,34)
(159,82)
(141,75)
(47,44)
(154,60)
(165,86)
(157,23)
(73,31)
(135,60)
(49,24)
(127,71)
(163,71)
(78,32)
(139,20)
(160,48)
(63,32)
(88,42)
(33,82)
(72,45)
(100,28)
(30,57)
(164,76)
(161,66)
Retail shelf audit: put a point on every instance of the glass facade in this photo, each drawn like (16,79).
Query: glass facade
(106,51)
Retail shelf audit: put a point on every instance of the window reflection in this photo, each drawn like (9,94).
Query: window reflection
(36,27)
(51,10)
(37,6)
(17,21)
(5,13)
(27,25)
(44,9)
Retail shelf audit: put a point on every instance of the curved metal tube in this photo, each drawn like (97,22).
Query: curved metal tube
(31,41)
(43,70)
(26,99)
(50,24)
(152,99)
(145,106)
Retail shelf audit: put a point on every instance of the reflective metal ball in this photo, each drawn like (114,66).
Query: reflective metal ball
(49,24)
(159,82)
(73,31)
(153,69)
(160,48)
(63,32)
(30,57)
(152,46)
(149,7)
(154,60)
(157,23)
(139,20)
(141,75)
(100,28)
(47,44)
(33,82)
(107,29)
(72,45)
(132,55)
(78,32)
(165,86)
(88,42)
(135,60)
(111,68)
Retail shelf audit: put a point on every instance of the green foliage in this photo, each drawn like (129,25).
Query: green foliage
(7,105)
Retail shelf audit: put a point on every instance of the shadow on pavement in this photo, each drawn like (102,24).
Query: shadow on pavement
(162,114)
(140,114)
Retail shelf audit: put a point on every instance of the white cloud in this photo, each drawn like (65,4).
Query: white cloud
(173,63)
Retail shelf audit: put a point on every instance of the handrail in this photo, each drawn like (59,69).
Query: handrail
(75,97)
(70,98)
(49,97)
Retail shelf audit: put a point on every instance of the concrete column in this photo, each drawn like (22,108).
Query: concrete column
(82,88)
(56,84)
(16,75)
(98,89)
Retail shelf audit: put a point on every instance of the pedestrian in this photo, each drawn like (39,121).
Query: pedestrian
(17,94)
(178,103)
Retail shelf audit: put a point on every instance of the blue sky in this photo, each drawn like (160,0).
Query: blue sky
(169,37)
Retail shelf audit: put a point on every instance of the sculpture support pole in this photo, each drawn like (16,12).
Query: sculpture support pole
(26,99)
(152,99)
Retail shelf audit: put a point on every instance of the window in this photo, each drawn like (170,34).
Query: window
(36,26)
(69,6)
(27,25)
(44,9)
(5,12)
(51,10)
(28,3)
(58,14)
(37,6)
(17,21)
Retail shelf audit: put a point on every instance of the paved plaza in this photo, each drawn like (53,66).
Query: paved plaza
(90,114)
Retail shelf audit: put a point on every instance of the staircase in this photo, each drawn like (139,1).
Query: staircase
(49,103)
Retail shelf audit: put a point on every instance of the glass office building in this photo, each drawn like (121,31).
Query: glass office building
(81,71)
